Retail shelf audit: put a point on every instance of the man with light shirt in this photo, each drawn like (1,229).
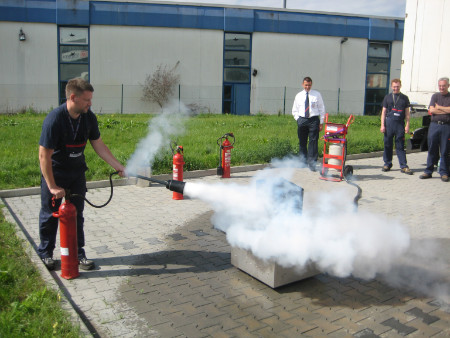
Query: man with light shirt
(309,112)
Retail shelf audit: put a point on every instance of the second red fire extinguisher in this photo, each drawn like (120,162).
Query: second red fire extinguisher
(178,162)
(67,214)
(225,145)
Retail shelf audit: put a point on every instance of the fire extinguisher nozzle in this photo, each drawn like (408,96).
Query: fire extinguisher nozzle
(176,186)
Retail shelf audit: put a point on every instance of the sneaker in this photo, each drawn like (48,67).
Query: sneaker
(385,168)
(406,171)
(49,263)
(425,176)
(86,264)
(444,178)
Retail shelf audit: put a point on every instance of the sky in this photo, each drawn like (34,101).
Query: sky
(390,8)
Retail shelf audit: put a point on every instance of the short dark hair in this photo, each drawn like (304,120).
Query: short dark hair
(77,86)
(307,79)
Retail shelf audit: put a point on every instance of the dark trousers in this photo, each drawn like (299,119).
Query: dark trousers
(438,147)
(394,130)
(48,225)
(308,129)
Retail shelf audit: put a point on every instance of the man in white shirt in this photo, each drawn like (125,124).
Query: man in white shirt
(309,112)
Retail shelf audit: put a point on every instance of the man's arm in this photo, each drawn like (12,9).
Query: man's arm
(383,119)
(322,112)
(103,151)
(407,118)
(437,109)
(45,162)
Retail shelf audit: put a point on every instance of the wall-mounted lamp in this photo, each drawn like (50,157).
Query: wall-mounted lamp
(343,40)
(22,36)
(255,71)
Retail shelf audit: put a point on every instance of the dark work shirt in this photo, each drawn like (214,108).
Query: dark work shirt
(68,137)
(396,105)
(442,100)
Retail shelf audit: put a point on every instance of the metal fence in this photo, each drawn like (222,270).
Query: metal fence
(127,99)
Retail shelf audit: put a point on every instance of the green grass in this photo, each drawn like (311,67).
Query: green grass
(259,138)
(27,306)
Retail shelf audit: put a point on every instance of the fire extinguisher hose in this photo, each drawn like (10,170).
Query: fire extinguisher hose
(110,197)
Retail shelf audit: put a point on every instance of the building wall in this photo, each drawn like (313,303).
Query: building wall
(127,55)
(283,60)
(129,40)
(29,70)
(426,48)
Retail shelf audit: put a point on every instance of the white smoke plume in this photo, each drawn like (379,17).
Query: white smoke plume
(161,130)
(264,218)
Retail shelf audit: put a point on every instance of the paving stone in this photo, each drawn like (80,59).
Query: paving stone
(366,333)
(399,327)
(426,318)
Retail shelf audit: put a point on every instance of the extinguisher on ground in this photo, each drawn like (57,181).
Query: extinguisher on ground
(225,147)
(178,162)
(67,214)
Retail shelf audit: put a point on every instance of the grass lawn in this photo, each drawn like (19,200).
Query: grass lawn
(259,138)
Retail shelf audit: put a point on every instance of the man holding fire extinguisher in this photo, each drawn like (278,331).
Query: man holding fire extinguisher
(65,132)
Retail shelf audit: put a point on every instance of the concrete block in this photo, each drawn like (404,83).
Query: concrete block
(268,272)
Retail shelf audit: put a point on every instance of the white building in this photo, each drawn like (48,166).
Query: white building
(426,48)
(239,60)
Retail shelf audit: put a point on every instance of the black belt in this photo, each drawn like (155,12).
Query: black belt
(441,122)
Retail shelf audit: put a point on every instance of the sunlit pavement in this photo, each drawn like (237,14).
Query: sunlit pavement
(164,271)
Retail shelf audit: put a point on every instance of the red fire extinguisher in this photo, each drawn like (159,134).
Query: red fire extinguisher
(67,215)
(178,162)
(225,147)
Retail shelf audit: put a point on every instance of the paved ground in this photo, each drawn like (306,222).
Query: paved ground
(164,271)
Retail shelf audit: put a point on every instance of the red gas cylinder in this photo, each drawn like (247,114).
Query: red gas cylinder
(226,157)
(67,215)
(178,162)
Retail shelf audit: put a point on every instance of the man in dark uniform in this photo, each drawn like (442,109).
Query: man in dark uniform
(439,132)
(65,132)
(394,114)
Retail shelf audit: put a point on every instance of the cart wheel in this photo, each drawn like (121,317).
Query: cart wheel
(348,171)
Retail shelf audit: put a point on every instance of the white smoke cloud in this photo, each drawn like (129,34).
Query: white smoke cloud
(264,218)
(161,130)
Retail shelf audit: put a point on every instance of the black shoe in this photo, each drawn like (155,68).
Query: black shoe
(312,167)
(385,168)
(86,264)
(444,178)
(49,263)
(406,171)
(425,176)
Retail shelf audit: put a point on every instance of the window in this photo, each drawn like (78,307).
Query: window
(73,54)
(236,58)
(377,77)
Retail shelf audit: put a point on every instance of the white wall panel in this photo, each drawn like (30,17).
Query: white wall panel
(126,55)
(283,60)
(28,69)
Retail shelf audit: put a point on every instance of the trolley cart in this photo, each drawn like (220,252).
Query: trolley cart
(335,151)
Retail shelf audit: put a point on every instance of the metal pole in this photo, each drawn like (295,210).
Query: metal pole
(121,101)
(284,100)
(179,97)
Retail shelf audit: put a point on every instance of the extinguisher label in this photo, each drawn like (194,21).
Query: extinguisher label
(64,251)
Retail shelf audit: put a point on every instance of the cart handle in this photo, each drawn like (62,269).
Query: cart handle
(350,120)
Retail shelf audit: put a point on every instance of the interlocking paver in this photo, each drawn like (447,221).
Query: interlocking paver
(168,274)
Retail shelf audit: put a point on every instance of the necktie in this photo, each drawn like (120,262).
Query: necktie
(307,106)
